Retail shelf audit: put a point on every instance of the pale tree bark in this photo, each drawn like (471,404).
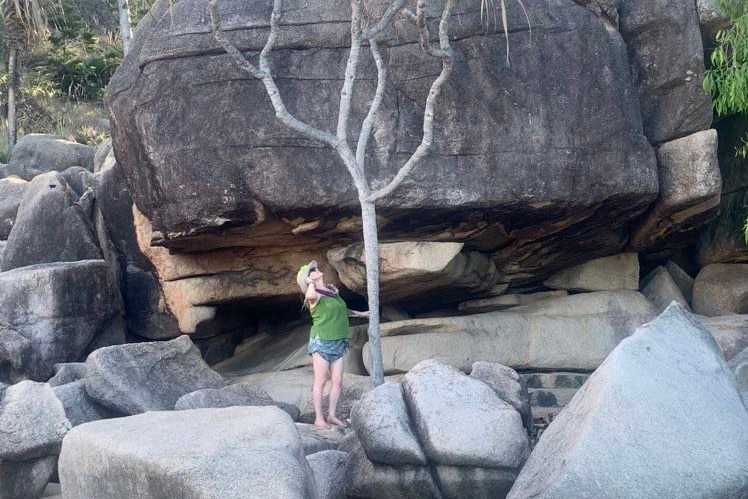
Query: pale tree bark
(123,6)
(355,162)
(12,91)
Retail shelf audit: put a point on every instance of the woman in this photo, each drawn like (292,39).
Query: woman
(328,339)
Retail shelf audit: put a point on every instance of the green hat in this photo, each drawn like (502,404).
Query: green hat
(303,274)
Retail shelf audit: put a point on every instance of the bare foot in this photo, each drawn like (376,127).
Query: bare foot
(321,424)
(337,422)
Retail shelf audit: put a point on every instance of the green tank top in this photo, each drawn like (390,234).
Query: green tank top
(329,319)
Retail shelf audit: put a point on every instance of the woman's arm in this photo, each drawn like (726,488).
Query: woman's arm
(356,313)
(311,294)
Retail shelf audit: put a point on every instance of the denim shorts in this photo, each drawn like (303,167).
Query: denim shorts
(330,350)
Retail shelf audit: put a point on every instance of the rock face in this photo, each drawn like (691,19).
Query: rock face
(730,331)
(669,390)
(575,333)
(11,193)
(50,227)
(739,365)
(417,272)
(507,301)
(38,153)
(508,385)
(329,469)
(721,289)
(34,424)
(667,61)
(79,408)
(494,168)
(241,452)
(603,274)
(60,309)
(690,187)
(660,288)
(442,434)
(140,377)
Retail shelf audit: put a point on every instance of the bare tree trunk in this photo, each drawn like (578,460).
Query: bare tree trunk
(124,23)
(12,90)
(371,251)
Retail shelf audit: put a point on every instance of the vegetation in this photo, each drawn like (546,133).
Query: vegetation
(63,68)
(727,79)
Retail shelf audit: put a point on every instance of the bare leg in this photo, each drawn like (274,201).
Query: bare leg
(336,375)
(321,367)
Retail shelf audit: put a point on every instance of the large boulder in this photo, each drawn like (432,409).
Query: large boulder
(60,309)
(51,226)
(33,425)
(329,467)
(11,193)
(660,288)
(414,274)
(721,289)
(140,377)
(38,153)
(690,188)
(67,372)
(238,452)
(668,390)
(514,164)
(508,385)
(79,408)
(461,421)
(667,61)
(602,274)
(384,428)
(575,332)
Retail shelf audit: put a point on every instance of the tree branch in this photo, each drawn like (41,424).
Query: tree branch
(366,126)
(264,73)
(346,93)
(386,19)
(446,55)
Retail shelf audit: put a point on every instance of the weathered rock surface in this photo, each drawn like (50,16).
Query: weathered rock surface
(667,61)
(147,315)
(508,385)
(38,153)
(140,377)
(682,279)
(690,188)
(603,274)
(383,426)
(50,226)
(739,366)
(329,469)
(575,333)
(11,192)
(493,171)
(232,395)
(660,288)
(730,331)
(460,421)
(711,19)
(413,272)
(33,425)
(59,310)
(370,480)
(67,372)
(317,440)
(721,289)
(79,408)
(669,390)
(507,301)
(241,452)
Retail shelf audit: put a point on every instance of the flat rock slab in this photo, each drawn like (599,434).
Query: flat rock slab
(602,274)
(62,308)
(690,187)
(411,272)
(140,377)
(572,333)
(721,289)
(238,452)
(507,301)
(669,391)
